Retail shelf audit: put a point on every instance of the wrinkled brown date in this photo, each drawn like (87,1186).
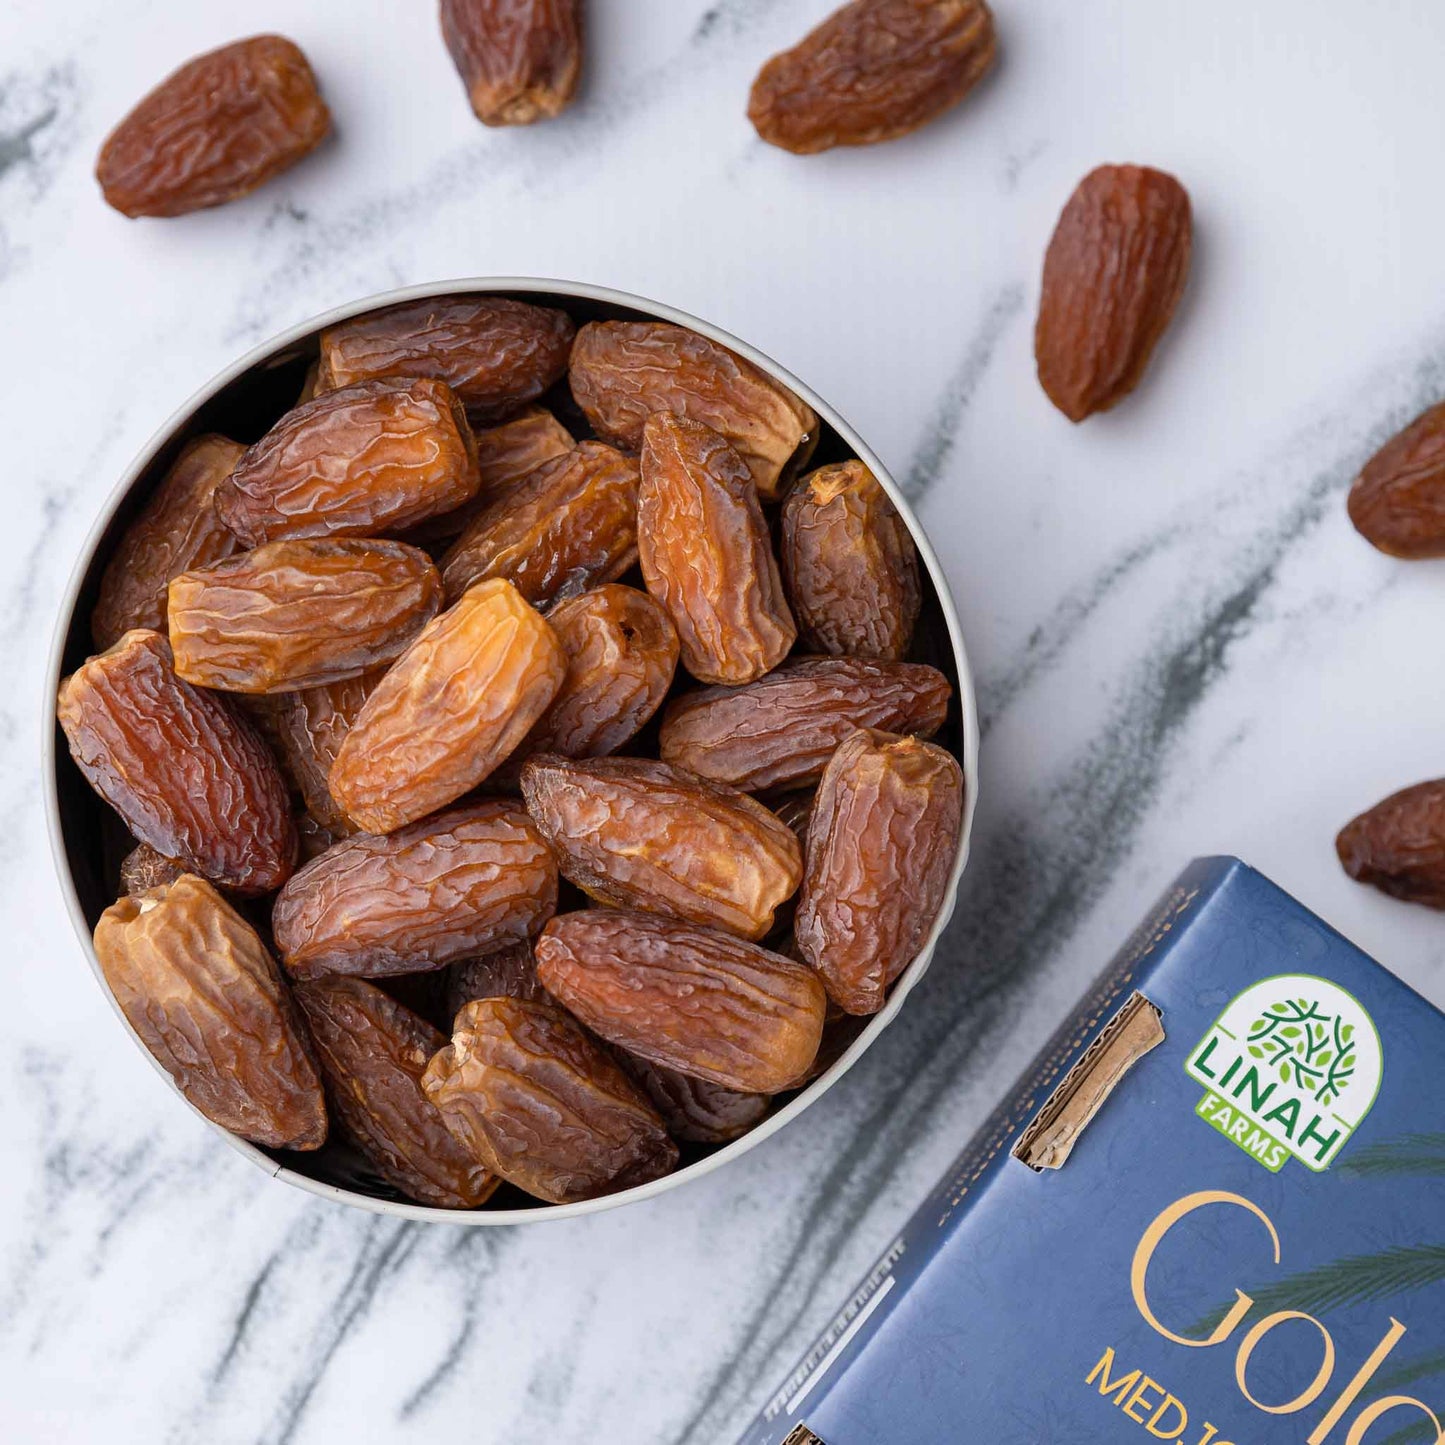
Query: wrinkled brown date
(692,999)
(881,844)
(1399,845)
(509,972)
(496,354)
(455,704)
(373,1052)
(143,869)
(376,457)
(640,834)
(300,613)
(780,731)
(567,526)
(535,1100)
(197,985)
(695,1111)
(850,564)
(520,59)
(220,126)
(623,371)
(186,774)
(178,529)
(450,887)
(308,728)
(706,554)
(1397,503)
(872,71)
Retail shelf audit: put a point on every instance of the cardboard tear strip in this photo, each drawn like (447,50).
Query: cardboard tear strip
(1049,1140)
(801,1435)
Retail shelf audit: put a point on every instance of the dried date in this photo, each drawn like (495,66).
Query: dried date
(496,354)
(199,988)
(692,999)
(217,128)
(186,774)
(143,869)
(567,526)
(509,972)
(1397,503)
(300,613)
(308,728)
(706,554)
(1399,845)
(881,844)
(623,371)
(695,1111)
(178,529)
(520,59)
(449,887)
(535,1100)
(376,457)
(874,70)
(780,731)
(373,1052)
(640,834)
(850,564)
(456,703)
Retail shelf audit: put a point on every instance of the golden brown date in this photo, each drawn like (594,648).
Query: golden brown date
(1397,503)
(373,1052)
(692,999)
(1113,274)
(300,613)
(376,457)
(455,704)
(874,70)
(639,834)
(509,972)
(307,730)
(850,564)
(695,1111)
(623,371)
(780,731)
(450,887)
(186,774)
(220,126)
(1399,844)
(143,869)
(881,844)
(496,354)
(565,527)
(535,1100)
(178,529)
(199,988)
(520,59)
(706,554)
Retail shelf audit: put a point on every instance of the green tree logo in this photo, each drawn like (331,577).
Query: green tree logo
(1309,1048)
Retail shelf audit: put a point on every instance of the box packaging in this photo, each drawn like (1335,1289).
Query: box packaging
(1212,1212)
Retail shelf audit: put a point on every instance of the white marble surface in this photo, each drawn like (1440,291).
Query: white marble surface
(1180,644)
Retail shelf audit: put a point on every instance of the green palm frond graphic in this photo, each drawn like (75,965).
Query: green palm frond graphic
(1418,1154)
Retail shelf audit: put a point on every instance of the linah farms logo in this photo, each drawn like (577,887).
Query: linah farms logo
(1290,1068)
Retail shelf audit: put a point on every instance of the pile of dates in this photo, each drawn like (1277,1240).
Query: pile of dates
(586,731)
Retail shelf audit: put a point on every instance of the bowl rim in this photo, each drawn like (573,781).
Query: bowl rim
(541,287)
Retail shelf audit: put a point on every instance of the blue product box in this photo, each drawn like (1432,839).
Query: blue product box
(1212,1212)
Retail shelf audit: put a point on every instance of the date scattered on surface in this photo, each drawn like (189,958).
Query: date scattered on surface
(538,1102)
(1399,844)
(186,773)
(496,354)
(196,983)
(567,526)
(373,1052)
(881,843)
(300,613)
(623,371)
(177,529)
(520,59)
(458,701)
(872,71)
(850,564)
(692,999)
(1397,503)
(706,554)
(220,126)
(1113,274)
(376,457)
(780,731)
(450,887)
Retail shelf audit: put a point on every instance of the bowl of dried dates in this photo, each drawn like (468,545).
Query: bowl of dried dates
(513,750)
